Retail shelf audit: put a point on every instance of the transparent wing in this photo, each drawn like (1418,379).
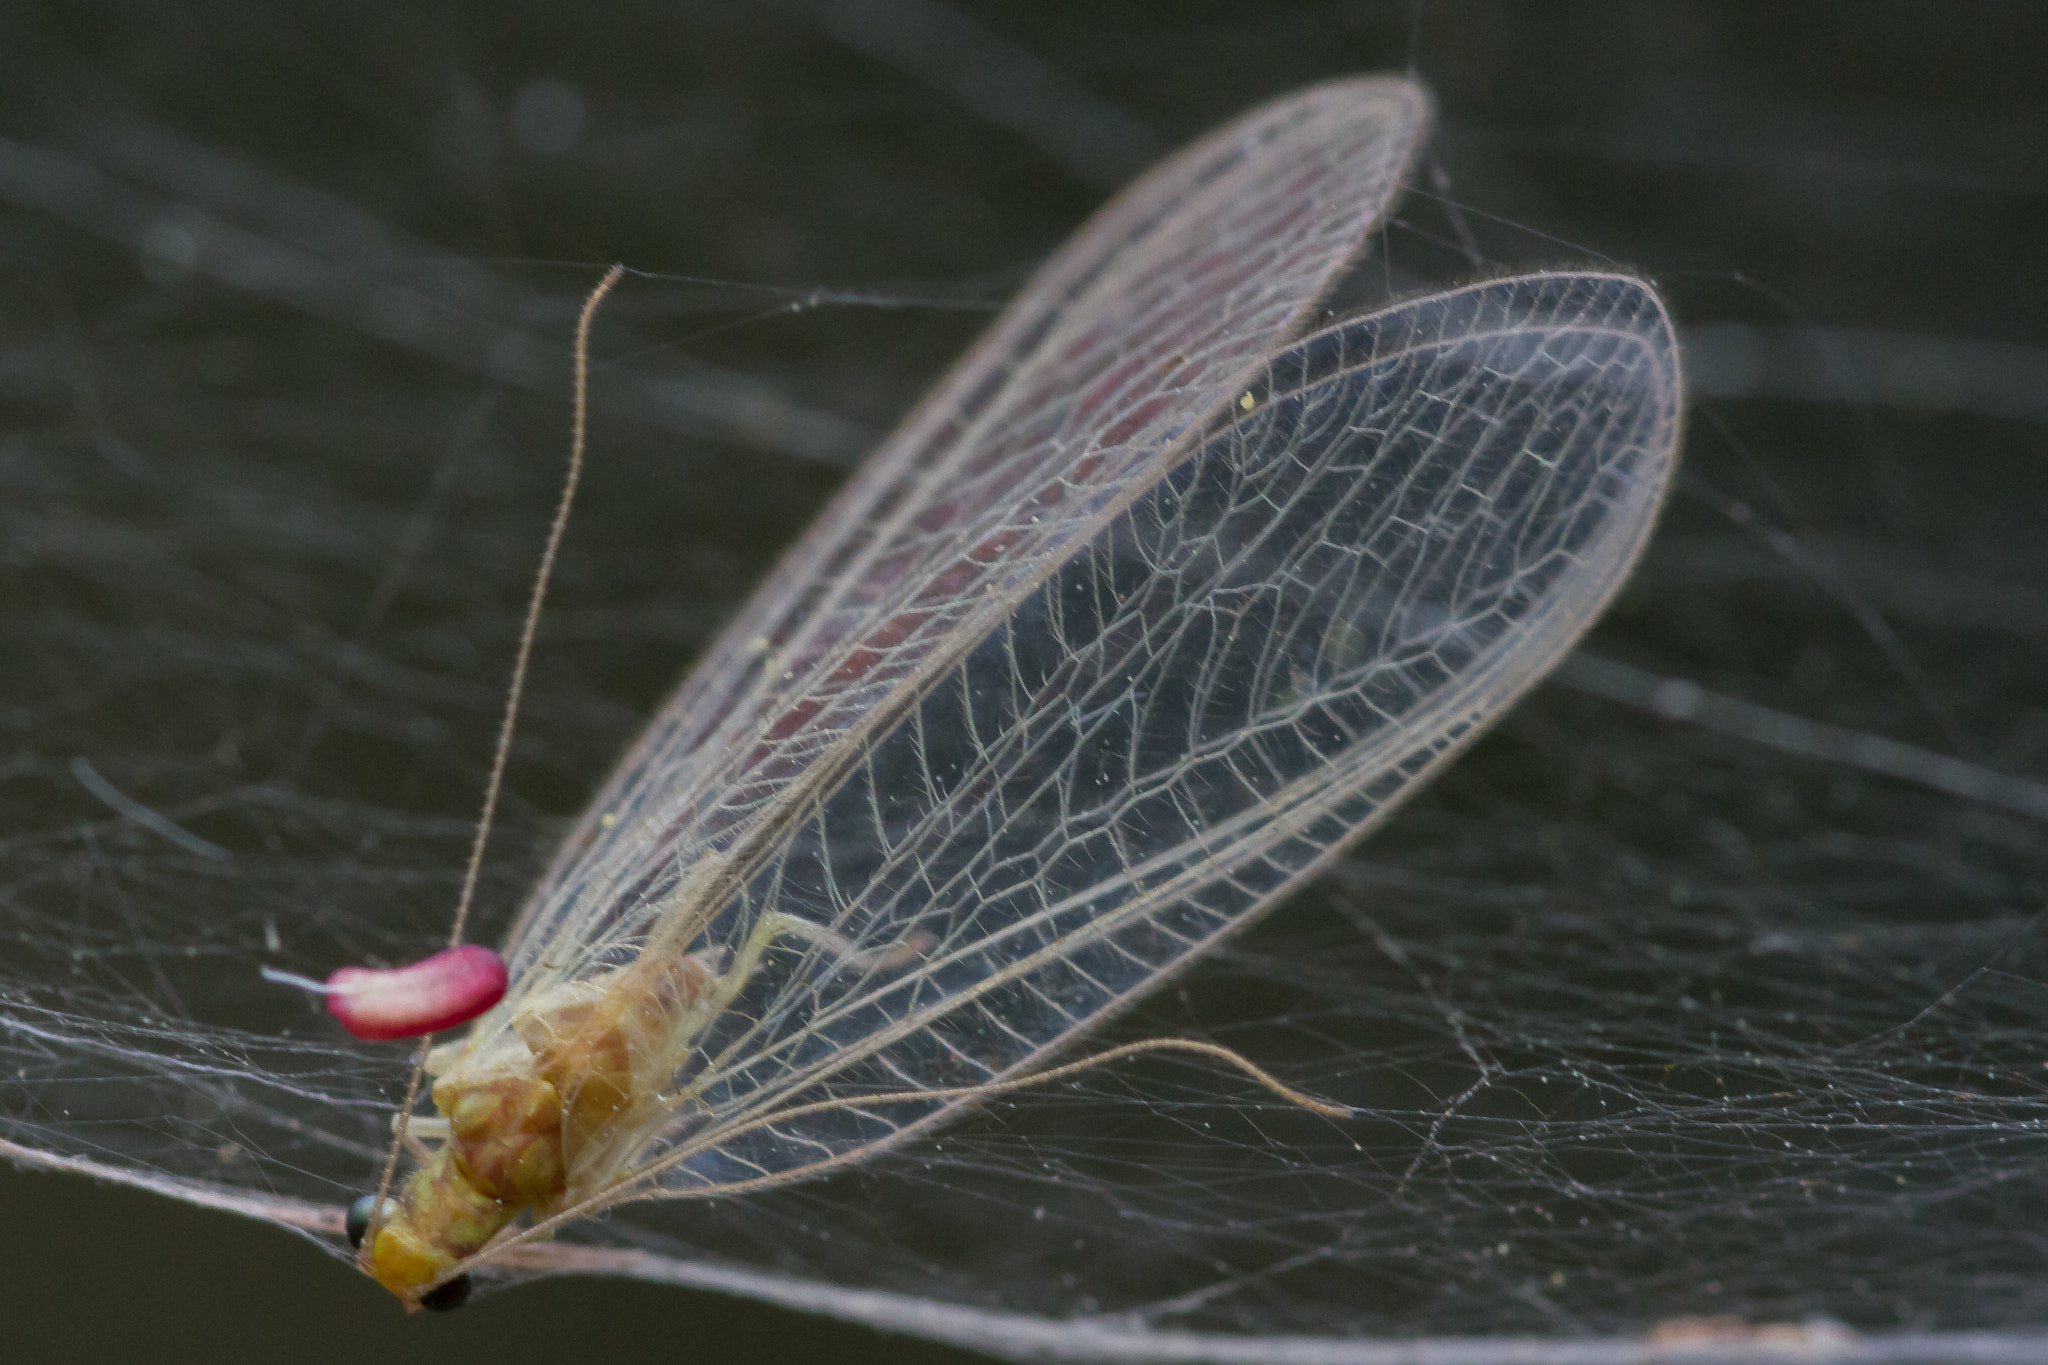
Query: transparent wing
(1150,319)
(1279,638)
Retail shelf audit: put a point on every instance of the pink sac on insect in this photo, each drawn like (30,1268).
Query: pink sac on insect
(451,987)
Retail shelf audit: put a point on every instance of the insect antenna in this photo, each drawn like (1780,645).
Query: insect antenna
(578,432)
(632,1189)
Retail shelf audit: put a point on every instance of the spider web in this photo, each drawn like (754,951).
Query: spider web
(1660,1006)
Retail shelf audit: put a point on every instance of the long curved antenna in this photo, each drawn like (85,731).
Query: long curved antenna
(625,1193)
(578,431)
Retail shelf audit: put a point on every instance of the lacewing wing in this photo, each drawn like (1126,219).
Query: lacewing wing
(1151,608)
(1150,318)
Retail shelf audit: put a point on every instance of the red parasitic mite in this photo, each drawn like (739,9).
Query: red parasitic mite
(379,1004)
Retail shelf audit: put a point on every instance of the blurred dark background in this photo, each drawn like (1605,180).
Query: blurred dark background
(209,449)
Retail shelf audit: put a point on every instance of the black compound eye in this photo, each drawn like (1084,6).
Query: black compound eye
(358,1221)
(446,1298)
